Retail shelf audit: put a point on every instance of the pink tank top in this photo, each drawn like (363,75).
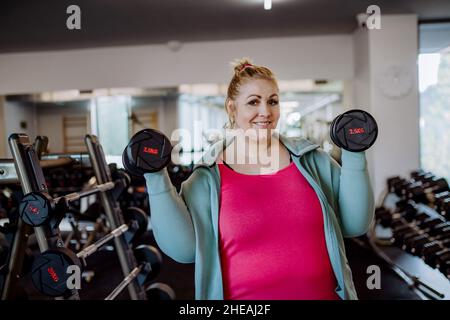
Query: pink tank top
(272,241)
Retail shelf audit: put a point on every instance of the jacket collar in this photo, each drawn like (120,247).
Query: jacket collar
(296,146)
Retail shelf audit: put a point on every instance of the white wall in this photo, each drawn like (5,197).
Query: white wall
(166,108)
(3,143)
(396,151)
(323,57)
(50,123)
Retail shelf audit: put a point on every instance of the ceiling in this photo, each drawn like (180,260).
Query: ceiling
(41,25)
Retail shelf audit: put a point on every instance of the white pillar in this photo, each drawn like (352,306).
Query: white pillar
(386,85)
(3,137)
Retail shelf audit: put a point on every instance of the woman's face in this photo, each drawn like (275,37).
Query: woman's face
(256,106)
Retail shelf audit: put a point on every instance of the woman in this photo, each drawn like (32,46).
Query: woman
(263,216)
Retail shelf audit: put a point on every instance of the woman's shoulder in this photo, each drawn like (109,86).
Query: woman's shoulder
(298,145)
(197,187)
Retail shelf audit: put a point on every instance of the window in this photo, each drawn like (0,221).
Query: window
(434,86)
(110,123)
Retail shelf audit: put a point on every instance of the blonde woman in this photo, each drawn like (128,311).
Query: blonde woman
(258,229)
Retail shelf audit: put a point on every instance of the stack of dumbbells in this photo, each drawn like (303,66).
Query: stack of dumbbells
(419,222)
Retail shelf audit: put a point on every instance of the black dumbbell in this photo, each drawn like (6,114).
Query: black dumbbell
(437,229)
(383,216)
(160,291)
(417,174)
(445,243)
(402,232)
(391,182)
(139,215)
(37,208)
(443,206)
(428,252)
(355,130)
(441,257)
(414,243)
(49,272)
(409,212)
(399,187)
(429,223)
(443,234)
(442,195)
(148,151)
(420,217)
(423,249)
(423,176)
(398,221)
(425,192)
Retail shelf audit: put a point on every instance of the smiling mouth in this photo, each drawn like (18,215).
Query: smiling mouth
(262,123)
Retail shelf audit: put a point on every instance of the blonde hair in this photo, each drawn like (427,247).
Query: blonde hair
(244,70)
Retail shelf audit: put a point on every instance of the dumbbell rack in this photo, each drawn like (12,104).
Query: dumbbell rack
(31,178)
(113,213)
(427,282)
(29,173)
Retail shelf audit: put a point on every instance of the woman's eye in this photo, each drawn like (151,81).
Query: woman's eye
(253,102)
(273,102)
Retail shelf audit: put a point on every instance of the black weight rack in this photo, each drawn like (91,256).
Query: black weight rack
(25,168)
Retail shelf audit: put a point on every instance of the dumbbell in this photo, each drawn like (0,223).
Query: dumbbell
(355,130)
(422,176)
(414,243)
(37,208)
(441,257)
(398,221)
(414,216)
(119,175)
(400,233)
(428,252)
(398,186)
(429,223)
(424,192)
(445,269)
(136,214)
(418,174)
(442,203)
(443,234)
(160,291)
(383,216)
(409,212)
(439,228)
(150,260)
(50,269)
(392,181)
(148,151)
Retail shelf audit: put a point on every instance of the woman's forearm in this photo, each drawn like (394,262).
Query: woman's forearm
(170,219)
(356,200)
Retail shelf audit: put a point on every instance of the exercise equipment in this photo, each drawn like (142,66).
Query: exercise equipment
(136,214)
(50,276)
(45,226)
(160,291)
(355,130)
(148,151)
(37,207)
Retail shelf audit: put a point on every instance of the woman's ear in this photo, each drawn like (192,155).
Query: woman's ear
(229,104)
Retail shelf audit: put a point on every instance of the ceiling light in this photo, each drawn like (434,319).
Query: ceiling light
(267,4)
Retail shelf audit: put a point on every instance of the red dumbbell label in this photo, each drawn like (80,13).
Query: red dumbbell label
(33,209)
(150,150)
(53,274)
(356,130)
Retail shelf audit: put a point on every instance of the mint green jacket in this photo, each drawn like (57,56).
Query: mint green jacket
(185,225)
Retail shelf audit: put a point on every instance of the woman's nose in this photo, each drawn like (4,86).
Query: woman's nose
(264,110)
